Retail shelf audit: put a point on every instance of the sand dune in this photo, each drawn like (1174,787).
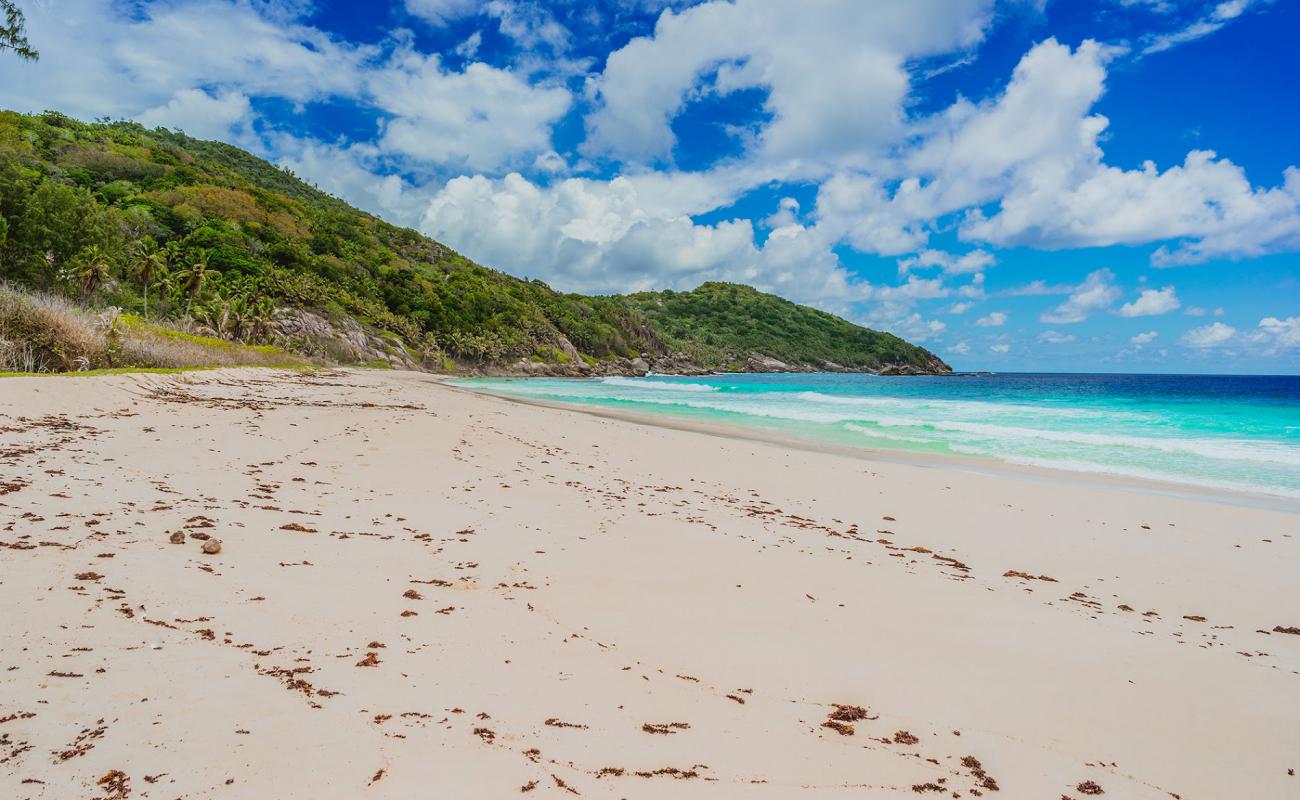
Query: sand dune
(422,592)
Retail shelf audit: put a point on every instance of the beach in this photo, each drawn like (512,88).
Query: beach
(425,592)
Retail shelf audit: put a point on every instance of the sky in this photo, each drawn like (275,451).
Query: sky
(1020,185)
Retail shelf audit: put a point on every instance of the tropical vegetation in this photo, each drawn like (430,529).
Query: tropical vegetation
(208,238)
(722,323)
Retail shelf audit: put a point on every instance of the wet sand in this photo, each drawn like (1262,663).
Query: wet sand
(422,592)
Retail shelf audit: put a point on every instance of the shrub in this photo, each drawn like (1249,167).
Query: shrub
(42,333)
(45,333)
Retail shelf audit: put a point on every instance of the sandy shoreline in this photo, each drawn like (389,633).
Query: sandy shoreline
(984,466)
(425,592)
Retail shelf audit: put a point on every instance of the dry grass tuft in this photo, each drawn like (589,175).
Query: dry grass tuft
(43,333)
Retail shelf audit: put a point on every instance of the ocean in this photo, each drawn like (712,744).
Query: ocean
(1235,433)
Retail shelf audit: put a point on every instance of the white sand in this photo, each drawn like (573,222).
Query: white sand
(604,574)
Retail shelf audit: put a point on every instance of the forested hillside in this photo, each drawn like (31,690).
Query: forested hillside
(208,236)
(724,323)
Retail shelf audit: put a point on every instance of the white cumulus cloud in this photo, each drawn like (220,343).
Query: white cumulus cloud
(1278,334)
(482,117)
(952,264)
(628,234)
(202,115)
(1097,292)
(1207,336)
(844,102)
(1151,302)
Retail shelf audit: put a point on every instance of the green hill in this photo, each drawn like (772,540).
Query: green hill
(722,324)
(209,238)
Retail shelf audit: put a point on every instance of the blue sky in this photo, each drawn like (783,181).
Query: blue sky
(1106,186)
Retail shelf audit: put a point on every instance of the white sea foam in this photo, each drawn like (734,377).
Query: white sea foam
(1205,447)
(1075,465)
(813,407)
(658,386)
(878,433)
(973,409)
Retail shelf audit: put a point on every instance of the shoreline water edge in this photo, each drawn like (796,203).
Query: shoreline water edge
(1226,436)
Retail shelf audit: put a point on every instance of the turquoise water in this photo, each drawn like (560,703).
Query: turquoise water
(1222,432)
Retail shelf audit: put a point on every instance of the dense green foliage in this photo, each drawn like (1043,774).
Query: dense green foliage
(207,230)
(166,226)
(722,323)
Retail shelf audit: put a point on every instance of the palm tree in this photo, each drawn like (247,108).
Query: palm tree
(230,307)
(147,261)
(172,254)
(214,314)
(196,277)
(169,272)
(230,314)
(164,280)
(260,314)
(92,270)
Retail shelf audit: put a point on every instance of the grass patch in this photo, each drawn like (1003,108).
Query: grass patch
(43,334)
(91,373)
(207,342)
(550,355)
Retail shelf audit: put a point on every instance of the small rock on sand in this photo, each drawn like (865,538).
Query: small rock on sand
(212,546)
(177,537)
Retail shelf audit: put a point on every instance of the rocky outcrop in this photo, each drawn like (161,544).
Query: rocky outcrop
(933,365)
(343,340)
(901,369)
(757,362)
(677,364)
(634,367)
